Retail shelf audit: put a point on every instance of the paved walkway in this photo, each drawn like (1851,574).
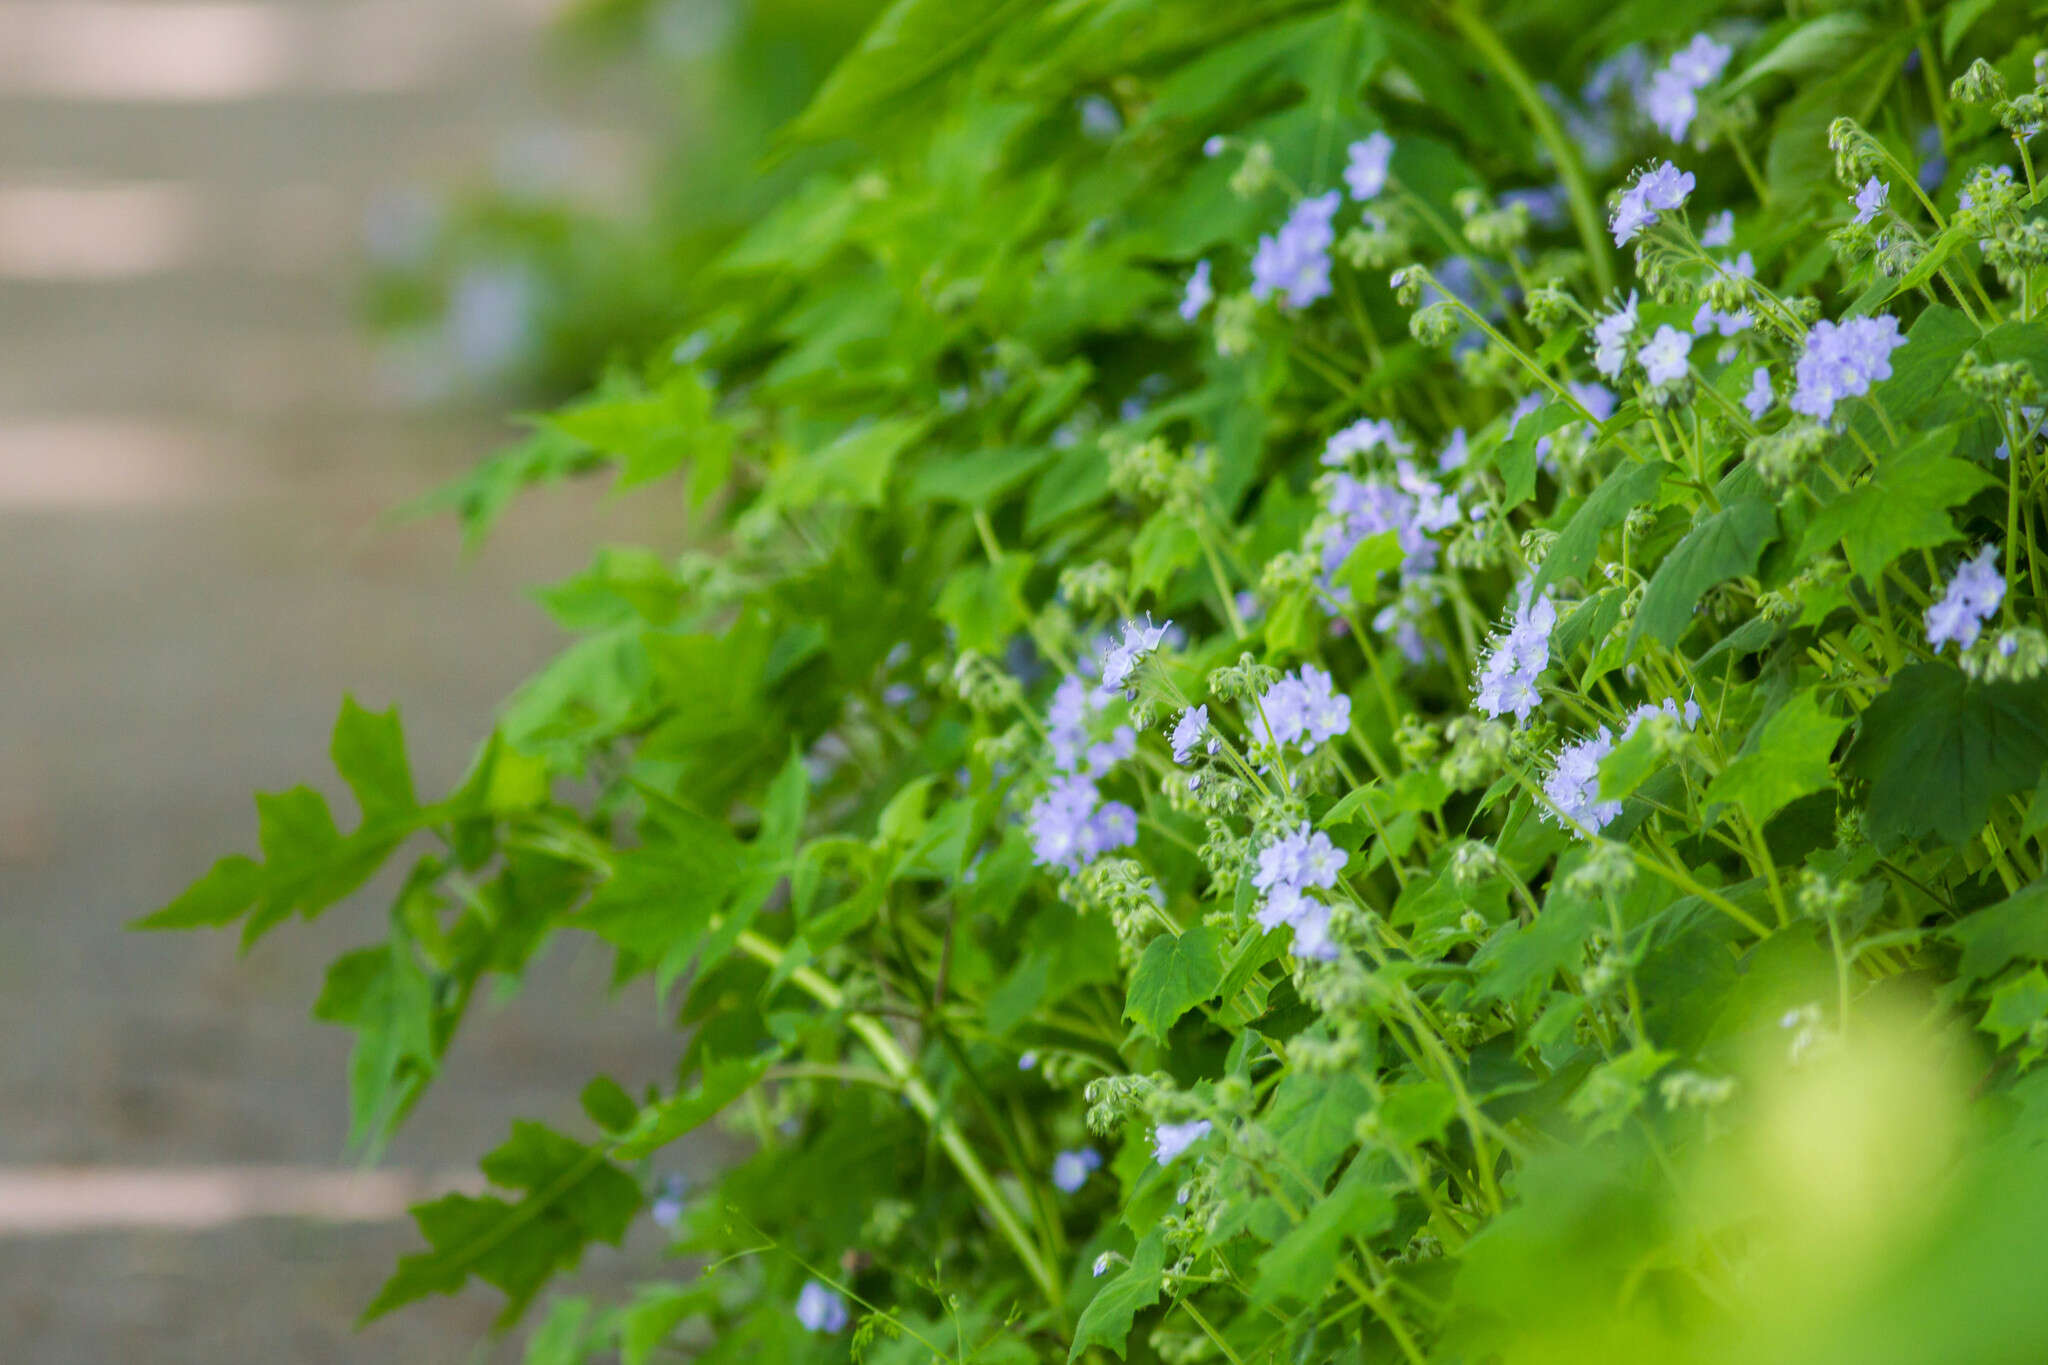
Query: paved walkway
(195,442)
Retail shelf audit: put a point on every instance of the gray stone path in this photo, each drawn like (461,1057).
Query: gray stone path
(195,446)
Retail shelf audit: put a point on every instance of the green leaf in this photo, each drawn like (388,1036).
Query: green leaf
(574,1196)
(1787,757)
(1617,495)
(1633,761)
(1410,1115)
(1903,506)
(1174,975)
(1315,1119)
(1957,20)
(1166,544)
(1301,1264)
(1999,935)
(2017,1006)
(721,1083)
(384,995)
(911,42)
(1369,559)
(982,602)
(369,752)
(1819,44)
(1726,544)
(1938,748)
(1106,1321)
(853,469)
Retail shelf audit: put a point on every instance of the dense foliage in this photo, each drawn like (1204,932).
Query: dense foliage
(1338,682)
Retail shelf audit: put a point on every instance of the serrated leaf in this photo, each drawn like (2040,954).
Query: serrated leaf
(1301,1264)
(983,602)
(368,750)
(1903,506)
(1174,975)
(2017,1006)
(1727,544)
(1788,757)
(574,1196)
(1997,936)
(1938,748)
(384,995)
(1106,1321)
(1620,492)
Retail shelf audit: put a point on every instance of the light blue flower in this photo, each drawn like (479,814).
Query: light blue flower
(820,1309)
(1198,293)
(1070,1170)
(1370,159)
(1871,199)
(1169,1140)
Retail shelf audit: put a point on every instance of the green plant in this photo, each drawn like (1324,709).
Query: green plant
(1566,884)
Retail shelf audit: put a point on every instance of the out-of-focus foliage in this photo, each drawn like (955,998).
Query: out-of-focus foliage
(516,282)
(1566,885)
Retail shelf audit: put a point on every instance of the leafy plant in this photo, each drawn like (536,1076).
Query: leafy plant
(1304,719)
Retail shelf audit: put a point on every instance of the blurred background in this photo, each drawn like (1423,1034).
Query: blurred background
(270,269)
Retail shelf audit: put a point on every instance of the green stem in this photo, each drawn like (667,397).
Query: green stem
(1570,168)
(890,1054)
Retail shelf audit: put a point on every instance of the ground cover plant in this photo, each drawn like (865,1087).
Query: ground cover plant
(1352,682)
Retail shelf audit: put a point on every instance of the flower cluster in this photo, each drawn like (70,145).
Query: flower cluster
(1288,868)
(1842,360)
(1071,825)
(1673,97)
(1573,783)
(1507,680)
(1303,709)
(1661,189)
(1295,262)
(1972,597)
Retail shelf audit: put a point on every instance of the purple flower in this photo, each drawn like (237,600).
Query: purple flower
(1573,783)
(1672,99)
(1663,358)
(1304,709)
(1631,215)
(819,1309)
(1106,754)
(1720,230)
(1193,724)
(1842,360)
(669,1197)
(1169,1140)
(1123,659)
(1701,61)
(1070,1170)
(1363,437)
(1367,172)
(1671,104)
(1973,596)
(1455,452)
(1067,722)
(1758,400)
(1871,199)
(1198,293)
(1710,320)
(1547,205)
(1666,187)
(1296,260)
(1597,399)
(1611,337)
(1507,680)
